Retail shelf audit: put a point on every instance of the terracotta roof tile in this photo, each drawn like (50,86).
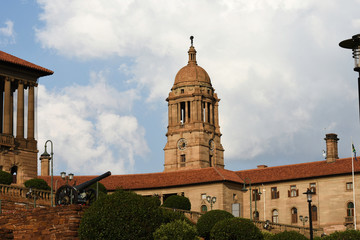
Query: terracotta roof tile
(158,180)
(299,171)
(8,58)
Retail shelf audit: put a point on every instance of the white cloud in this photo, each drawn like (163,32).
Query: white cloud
(275,64)
(91,127)
(7,33)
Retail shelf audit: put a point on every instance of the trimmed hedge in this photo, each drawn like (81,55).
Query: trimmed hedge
(5,178)
(345,235)
(208,220)
(178,229)
(236,229)
(267,235)
(124,215)
(37,183)
(178,202)
(286,235)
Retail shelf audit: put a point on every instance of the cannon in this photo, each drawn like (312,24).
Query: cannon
(80,194)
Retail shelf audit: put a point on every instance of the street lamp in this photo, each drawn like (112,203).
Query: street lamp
(211,200)
(354,44)
(257,193)
(309,194)
(50,157)
(303,219)
(244,190)
(68,178)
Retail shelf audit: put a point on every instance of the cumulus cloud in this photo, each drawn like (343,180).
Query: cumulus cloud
(275,64)
(7,33)
(91,127)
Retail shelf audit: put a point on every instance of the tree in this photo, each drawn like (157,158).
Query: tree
(178,229)
(37,183)
(209,219)
(178,202)
(5,178)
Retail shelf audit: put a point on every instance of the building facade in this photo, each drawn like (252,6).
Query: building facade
(18,146)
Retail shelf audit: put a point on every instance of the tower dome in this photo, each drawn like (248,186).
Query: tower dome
(191,74)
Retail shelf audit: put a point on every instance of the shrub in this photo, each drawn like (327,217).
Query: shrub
(289,235)
(102,188)
(208,220)
(168,215)
(178,202)
(37,183)
(267,235)
(178,229)
(121,215)
(345,235)
(5,178)
(236,228)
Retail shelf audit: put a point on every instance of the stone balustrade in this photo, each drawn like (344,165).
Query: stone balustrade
(18,192)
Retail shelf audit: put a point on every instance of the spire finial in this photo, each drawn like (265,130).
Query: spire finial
(192,40)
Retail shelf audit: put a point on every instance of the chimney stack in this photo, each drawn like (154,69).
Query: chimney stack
(331,147)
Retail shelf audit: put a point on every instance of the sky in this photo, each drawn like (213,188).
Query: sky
(276,65)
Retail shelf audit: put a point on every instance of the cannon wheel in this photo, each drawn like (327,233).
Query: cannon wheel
(64,195)
(90,196)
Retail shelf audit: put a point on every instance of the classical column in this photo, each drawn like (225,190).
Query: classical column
(20,111)
(31,109)
(1,106)
(186,113)
(211,114)
(7,106)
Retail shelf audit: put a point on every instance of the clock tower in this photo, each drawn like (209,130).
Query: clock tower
(193,136)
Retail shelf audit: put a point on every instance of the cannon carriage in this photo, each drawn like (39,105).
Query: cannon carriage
(80,194)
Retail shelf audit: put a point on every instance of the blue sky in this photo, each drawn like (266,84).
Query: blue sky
(276,65)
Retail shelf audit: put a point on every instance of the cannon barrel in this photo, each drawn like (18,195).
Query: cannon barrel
(86,184)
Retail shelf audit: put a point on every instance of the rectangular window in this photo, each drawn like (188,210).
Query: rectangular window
(189,113)
(210,160)
(203,196)
(313,187)
(274,193)
(235,209)
(349,186)
(293,192)
(182,112)
(182,160)
(208,112)
(256,195)
(182,90)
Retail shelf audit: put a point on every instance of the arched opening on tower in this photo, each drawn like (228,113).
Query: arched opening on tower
(13,172)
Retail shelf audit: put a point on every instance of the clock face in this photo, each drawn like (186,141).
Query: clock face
(211,144)
(182,143)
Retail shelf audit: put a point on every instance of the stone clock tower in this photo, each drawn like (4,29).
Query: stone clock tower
(193,136)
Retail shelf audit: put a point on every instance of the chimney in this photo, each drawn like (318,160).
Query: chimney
(331,147)
(261,166)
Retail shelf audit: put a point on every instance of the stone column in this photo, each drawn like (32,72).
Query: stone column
(31,110)
(7,106)
(1,106)
(186,113)
(211,114)
(20,111)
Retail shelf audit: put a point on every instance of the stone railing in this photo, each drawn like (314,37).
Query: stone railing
(17,192)
(7,140)
(191,215)
(278,227)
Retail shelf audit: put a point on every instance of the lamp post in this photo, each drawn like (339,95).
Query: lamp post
(303,219)
(211,200)
(50,157)
(309,194)
(257,193)
(244,190)
(68,178)
(354,44)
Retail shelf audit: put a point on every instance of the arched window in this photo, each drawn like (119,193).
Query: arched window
(314,213)
(350,209)
(275,216)
(294,217)
(256,215)
(13,172)
(203,208)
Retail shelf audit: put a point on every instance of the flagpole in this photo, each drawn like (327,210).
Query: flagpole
(353,179)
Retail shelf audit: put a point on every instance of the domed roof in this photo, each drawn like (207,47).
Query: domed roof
(192,73)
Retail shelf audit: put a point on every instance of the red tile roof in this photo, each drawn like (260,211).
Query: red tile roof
(8,58)
(299,171)
(158,180)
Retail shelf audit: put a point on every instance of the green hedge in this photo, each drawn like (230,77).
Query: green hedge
(236,228)
(345,235)
(286,235)
(178,229)
(5,178)
(36,183)
(178,202)
(208,220)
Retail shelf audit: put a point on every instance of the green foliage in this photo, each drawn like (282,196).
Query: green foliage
(102,188)
(37,183)
(178,229)
(236,229)
(267,235)
(5,178)
(123,215)
(286,235)
(178,202)
(209,219)
(168,215)
(345,235)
